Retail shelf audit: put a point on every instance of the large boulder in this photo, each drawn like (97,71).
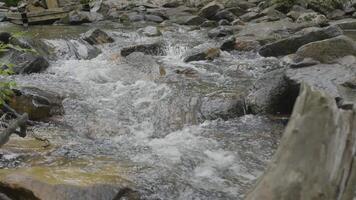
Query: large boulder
(97,36)
(271,31)
(37,103)
(333,79)
(329,50)
(17,186)
(25,61)
(316,156)
(292,44)
(272,94)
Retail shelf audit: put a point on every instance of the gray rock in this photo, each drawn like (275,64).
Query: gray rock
(312,18)
(153,18)
(345,24)
(292,44)
(224,14)
(150,31)
(77,17)
(272,94)
(220,32)
(25,61)
(173,4)
(37,103)
(194,20)
(240,44)
(210,23)
(97,36)
(327,78)
(336,14)
(250,16)
(205,54)
(329,50)
(224,22)
(18,186)
(149,49)
(237,11)
(210,10)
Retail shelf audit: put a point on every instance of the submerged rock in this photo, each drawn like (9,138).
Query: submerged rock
(17,186)
(37,103)
(97,36)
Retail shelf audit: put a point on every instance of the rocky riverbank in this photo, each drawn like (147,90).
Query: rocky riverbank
(174,100)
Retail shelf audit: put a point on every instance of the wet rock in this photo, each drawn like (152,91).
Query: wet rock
(336,14)
(237,22)
(5,37)
(25,61)
(194,20)
(329,50)
(294,61)
(272,14)
(97,36)
(325,77)
(173,4)
(249,16)
(81,49)
(240,44)
(222,105)
(39,104)
(292,44)
(18,186)
(209,54)
(150,31)
(272,94)
(210,10)
(350,84)
(77,17)
(237,11)
(313,18)
(241,3)
(150,49)
(271,31)
(296,11)
(224,22)
(154,18)
(220,32)
(224,14)
(345,24)
(210,23)
(134,17)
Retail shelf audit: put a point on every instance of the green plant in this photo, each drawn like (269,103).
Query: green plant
(5,70)
(12,2)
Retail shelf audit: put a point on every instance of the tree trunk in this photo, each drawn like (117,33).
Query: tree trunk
(316,159)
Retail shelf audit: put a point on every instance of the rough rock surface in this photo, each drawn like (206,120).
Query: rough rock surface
(316,155)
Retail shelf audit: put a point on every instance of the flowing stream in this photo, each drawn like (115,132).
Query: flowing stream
(153,123)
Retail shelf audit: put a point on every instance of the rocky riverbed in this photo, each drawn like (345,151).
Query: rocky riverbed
(166,100)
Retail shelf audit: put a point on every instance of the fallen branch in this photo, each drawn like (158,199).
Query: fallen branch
(18,123)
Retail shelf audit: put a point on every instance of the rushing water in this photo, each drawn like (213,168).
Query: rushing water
(169,135)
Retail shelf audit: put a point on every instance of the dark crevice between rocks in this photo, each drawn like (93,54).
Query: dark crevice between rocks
(17,193)
(284,103)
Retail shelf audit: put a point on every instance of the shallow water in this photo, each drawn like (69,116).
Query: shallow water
(170,136)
